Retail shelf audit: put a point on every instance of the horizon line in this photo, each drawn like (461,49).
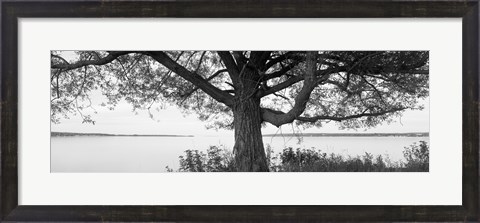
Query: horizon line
(268,134)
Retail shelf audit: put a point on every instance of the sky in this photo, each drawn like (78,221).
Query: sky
(171,121)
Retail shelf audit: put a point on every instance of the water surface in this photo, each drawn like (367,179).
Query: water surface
(143,154)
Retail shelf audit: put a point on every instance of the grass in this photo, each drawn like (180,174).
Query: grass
(219,159)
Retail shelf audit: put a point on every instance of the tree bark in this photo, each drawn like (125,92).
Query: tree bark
(248,150)
(247,121)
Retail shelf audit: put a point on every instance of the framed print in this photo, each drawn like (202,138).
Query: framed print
(239,111)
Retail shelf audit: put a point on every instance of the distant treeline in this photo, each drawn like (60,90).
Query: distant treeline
(104,134)
(409,134)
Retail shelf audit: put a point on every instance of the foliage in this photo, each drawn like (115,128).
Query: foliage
(417,156)
(216,160)
(311,160)
(356,88)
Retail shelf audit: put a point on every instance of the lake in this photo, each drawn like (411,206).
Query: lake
(144,154)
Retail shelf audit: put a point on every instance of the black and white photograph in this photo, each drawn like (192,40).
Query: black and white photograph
(239,111)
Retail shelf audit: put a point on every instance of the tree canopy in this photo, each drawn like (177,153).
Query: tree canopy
(355,88)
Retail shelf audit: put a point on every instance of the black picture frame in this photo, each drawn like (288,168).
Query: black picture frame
(466,9)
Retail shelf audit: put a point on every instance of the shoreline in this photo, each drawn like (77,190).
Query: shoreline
(410,134)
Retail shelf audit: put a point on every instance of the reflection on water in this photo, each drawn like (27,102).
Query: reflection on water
(152,154)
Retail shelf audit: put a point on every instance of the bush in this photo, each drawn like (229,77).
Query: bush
(192,162)
(309,160)
(417,157)
(216,160)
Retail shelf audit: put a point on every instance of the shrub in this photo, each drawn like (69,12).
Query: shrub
(216,160)
(309,160)
(192,162)
(417,157)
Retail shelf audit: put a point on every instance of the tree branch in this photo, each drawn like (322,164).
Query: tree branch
(218,72)
(281,72)
(259,58)
(272,116)
(310,81)
(321,75)
(375,89)
(230,64)
(107,59)
(193,78)
(289,82)
(200,61)
(408,71)
(60,58)
(240,58)
(285,56)
(362,59)
(338,119)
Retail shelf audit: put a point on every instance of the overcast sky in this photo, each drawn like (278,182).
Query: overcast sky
(172,121)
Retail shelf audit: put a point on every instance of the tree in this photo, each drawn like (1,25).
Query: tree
(243,90)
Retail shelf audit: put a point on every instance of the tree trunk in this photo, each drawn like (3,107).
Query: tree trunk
(248,150)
